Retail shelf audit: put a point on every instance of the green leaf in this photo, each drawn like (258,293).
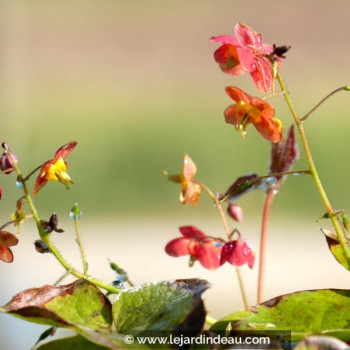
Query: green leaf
(71,343)
(160,306)
(335,247)
(77,304)
(305,313)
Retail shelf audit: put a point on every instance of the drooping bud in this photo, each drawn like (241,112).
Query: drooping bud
(41,247)
(51,225)
(235,212)
(6,164)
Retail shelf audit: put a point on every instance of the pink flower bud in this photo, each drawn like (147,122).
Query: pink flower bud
(235,212)
(6,164)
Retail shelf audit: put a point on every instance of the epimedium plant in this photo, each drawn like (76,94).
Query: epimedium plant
(105,315)
(240,54)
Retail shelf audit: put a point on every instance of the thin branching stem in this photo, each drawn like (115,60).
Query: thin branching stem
(44,236)
(314,173)
(307,115)
(228,233)
(80,244)
(262,257)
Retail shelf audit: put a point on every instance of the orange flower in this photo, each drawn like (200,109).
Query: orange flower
(252,110)
(190,191)
(55,169)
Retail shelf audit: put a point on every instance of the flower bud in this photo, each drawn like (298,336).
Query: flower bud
(41,247)
(6,164)
(235,212)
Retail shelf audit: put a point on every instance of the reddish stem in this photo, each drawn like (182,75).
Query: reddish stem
(269,197)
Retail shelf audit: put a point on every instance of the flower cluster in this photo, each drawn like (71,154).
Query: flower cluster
(246,53)
(54,170)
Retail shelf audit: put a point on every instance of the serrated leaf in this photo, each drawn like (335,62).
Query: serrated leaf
(305,313)
(77,304)
(335,248)
(160,306)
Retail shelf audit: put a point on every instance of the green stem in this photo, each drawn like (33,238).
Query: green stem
(228,234)
(44,236)
(313,171)
(343,88)
(80,244)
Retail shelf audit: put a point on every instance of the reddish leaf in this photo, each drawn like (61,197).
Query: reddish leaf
(75,305)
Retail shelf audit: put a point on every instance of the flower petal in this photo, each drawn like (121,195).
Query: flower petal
(225,39)
(192,232)
(7,238)
(237,94)
(208,255)
(64,151)
(262,74)
(6,254)
(270,129)
(178,247)
(39,184)
(247,36)
(189,168)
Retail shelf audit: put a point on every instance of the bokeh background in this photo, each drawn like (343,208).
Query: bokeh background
(136,84)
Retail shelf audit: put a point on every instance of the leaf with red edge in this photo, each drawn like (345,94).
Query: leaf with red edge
(335,247)
(79,304)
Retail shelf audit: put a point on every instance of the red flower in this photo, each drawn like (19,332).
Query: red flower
(246,53)
(196,244)
(7,240)
(55,169)
(252,110)
(191,191)
(238,253)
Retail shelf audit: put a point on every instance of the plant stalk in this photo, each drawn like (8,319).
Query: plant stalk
(313,171)
(228,234)
(44,236)
(262,258)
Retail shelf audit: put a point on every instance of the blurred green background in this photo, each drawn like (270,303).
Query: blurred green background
(136,84)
